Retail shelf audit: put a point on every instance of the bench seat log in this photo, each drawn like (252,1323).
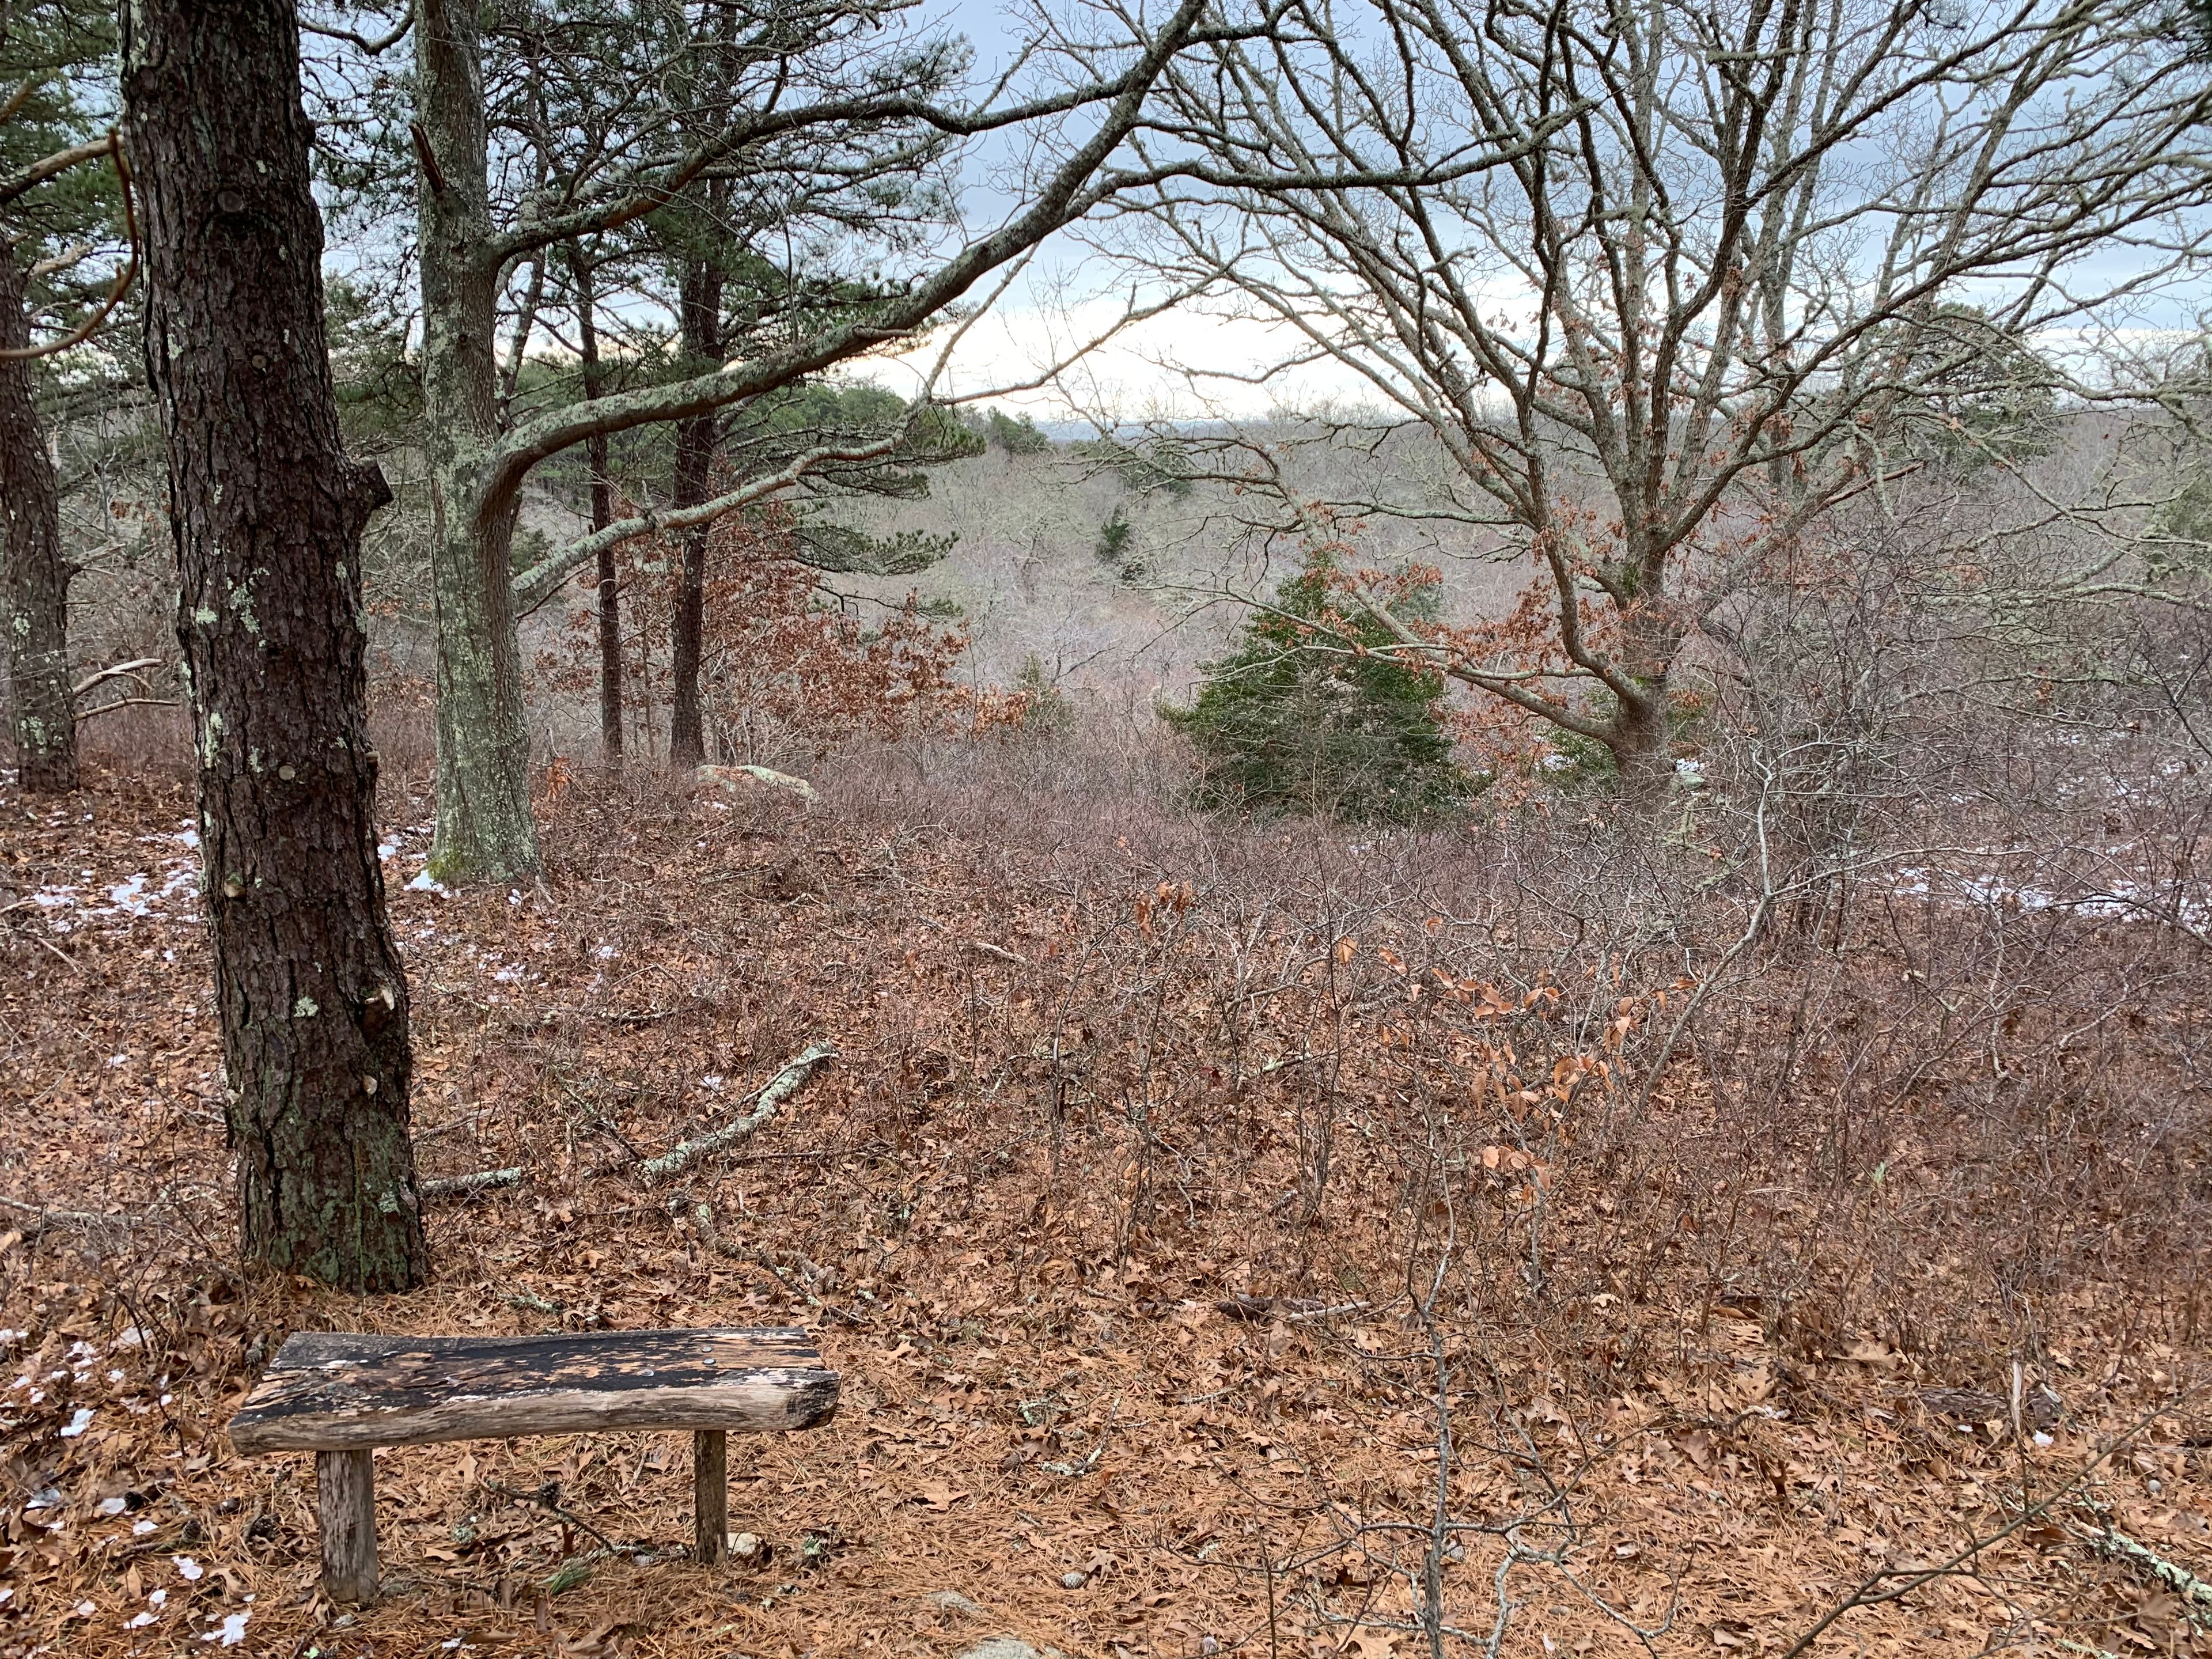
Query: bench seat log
(335,1394)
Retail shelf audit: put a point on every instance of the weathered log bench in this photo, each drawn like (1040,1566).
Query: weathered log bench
(341,1395)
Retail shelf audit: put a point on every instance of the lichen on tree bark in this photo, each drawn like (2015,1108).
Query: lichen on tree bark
(33,575)
(267,511)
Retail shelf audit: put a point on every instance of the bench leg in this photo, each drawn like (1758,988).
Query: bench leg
(345,1504)
(710,1500)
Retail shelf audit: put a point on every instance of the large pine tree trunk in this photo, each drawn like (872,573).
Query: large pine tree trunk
(267,510)
(33,577)
(603,514)
(484,830)
(701,317)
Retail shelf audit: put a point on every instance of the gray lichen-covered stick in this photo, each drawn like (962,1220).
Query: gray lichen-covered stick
(341,1395)
(780,1088)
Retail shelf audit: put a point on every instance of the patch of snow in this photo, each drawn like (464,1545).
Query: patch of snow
(232,1631)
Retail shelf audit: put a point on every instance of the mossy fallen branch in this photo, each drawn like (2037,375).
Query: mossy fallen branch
(778,1089)
(2195,1593)
(460,1185)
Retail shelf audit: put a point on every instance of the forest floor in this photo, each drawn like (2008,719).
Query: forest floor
(1060,1423)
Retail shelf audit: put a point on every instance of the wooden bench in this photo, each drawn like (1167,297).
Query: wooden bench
(340,1396)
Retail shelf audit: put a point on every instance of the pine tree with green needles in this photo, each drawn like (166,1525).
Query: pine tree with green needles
(1295,720)
(1015,437)
(1117,546)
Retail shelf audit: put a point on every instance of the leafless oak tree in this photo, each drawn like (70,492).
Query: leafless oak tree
(1667,283)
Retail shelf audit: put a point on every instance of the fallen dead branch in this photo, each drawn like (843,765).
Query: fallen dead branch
(1291,1310)
(462,1185)
(116,672)
(701,1215)
(780,1088)
(2195,1593)
(42,1218)
(1894,1583)
(460,1122)
(548,1498)
(130,702)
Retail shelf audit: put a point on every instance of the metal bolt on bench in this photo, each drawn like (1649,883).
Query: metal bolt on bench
(341,1396)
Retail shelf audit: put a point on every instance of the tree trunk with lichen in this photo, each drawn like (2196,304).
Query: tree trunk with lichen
(1639,742)
(1641,736)
(485,828)
(701,315)
(606,589)
(34,576)
(267,510)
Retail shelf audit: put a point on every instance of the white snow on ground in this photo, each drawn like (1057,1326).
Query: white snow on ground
(2119,900)
(169,891)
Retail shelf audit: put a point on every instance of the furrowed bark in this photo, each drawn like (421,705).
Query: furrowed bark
(267,511)
(34,576)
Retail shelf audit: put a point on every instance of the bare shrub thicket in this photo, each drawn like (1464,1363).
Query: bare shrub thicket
(1890,1043)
